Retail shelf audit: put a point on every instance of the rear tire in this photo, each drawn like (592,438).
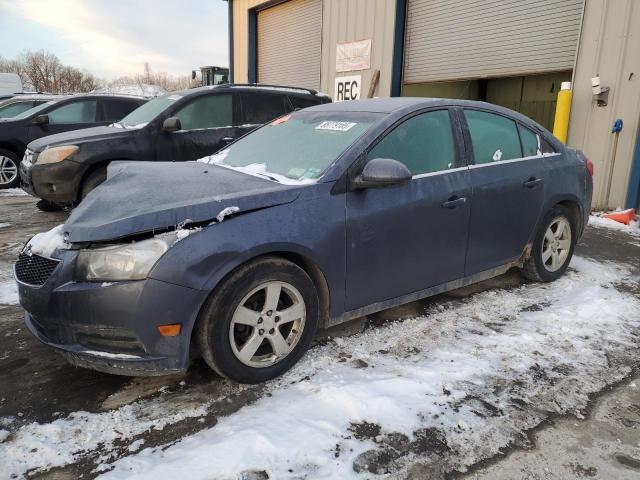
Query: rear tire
(94,179)
(259,322)
(552,247)
(9,175)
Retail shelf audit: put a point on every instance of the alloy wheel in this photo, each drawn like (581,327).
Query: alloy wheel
(267,324)
(8,170)
(556,244)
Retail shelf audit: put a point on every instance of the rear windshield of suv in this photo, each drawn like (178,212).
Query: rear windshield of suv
(142,115)
(297,147)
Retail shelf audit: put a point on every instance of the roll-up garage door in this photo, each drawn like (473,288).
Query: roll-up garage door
(461,39)
(289,40)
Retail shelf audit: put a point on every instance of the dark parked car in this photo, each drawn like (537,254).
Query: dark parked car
(326,214)
(16,105)
(179,126)
(56,116)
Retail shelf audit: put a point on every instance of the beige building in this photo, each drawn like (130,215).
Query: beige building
(514,53)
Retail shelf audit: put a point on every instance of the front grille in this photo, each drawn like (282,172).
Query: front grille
(34,269)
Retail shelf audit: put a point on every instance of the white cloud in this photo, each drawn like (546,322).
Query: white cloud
(117,38)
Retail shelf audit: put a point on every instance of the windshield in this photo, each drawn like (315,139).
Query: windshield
(145,113)
(296,148)
(31,111)
(12,109)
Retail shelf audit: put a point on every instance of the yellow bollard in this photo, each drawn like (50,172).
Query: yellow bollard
(563,109)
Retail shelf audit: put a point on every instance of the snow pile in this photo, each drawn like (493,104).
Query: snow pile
(8,293)
(46,243)
(62,441)
(5,225)
(142,90)
(462,377)
(13,192)
(633,228)
(255,169)
(226,212)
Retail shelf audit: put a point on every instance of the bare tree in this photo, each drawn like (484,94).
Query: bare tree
(42,71)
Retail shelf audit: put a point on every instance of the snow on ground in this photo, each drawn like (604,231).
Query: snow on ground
(66,439)
(633,228)
(13,192)
(5,225)
(461,382)
(8,292)
(8,287)
(453,386)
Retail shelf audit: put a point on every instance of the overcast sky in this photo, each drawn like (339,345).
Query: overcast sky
(110,38)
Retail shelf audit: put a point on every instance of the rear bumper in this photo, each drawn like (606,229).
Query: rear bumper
(112,327)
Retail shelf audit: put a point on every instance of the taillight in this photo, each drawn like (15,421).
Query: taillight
(589,165)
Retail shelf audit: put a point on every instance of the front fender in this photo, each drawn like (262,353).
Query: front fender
(312,227)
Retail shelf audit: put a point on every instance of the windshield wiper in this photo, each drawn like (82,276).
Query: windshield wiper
(266,176)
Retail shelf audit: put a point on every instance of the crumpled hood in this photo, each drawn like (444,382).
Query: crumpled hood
(141,197)
(76,137)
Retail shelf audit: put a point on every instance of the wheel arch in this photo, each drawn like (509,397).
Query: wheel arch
(309,266)
(90,170)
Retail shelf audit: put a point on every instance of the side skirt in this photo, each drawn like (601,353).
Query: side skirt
(428,292)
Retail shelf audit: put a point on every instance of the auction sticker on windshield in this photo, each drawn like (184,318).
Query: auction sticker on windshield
(336,126)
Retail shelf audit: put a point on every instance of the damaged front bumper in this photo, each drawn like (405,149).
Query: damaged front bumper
(112,327)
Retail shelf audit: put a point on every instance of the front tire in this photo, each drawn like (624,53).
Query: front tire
(94,179)
(9,176)
(259,322)
(553,246)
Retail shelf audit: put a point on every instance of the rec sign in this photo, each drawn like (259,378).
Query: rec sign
(347,88)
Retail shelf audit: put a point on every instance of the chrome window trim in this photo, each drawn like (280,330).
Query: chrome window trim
(513,160)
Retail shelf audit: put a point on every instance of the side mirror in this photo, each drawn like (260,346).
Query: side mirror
(382,172)
(171,124)
(41,120)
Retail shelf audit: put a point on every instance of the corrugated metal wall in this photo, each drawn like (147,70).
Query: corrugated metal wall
(351,20)
(241,38)
(289,44)
(609,46)
(459,39)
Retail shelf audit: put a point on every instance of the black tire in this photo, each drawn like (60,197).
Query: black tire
(11,162)
(534,267)
(214,322)
(46,206)
(94,179)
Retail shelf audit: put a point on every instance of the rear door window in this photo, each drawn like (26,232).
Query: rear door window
(494,137)
(116,110)
(82,111)
(207,111)
(424,143)
(261,108)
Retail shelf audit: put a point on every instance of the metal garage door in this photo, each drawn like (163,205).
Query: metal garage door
(459,39)
(289,41)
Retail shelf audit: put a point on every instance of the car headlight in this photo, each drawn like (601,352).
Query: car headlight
(56,154)
(132,261)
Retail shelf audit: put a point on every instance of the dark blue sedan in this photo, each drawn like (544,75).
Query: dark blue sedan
(323,215)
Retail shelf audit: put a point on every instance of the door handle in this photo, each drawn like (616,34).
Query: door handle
(454,202)
(533,182)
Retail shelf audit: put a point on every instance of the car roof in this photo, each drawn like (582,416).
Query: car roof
(250,87)
(408,104)
(30,97)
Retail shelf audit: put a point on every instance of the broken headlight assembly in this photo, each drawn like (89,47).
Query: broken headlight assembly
(131,261)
